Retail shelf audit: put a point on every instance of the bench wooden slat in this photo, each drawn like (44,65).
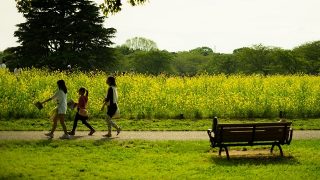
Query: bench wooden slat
(260,129)
(248,135)
(281,124)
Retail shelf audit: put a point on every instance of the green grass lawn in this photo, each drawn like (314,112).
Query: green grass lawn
(147,125)
(102,159)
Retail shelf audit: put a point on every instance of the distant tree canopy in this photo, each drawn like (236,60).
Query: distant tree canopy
(61,32)
(140,43)
(202,50)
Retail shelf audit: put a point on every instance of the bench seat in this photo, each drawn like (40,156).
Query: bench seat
(249,134)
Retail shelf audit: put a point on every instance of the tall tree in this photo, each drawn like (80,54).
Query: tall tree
(62,32)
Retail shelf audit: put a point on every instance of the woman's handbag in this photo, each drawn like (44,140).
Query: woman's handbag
(71,104)
(38,105)
(116,114)
(83,112)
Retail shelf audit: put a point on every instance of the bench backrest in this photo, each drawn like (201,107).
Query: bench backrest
(252,132)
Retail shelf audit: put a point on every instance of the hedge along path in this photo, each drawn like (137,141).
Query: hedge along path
(133,135)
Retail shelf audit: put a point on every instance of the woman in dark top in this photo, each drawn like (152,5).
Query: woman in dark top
(111,100)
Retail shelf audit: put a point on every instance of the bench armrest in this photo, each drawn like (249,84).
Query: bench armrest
(212,138)
(290,136)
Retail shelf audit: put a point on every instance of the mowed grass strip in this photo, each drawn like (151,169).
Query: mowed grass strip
(146,124)
(102,159)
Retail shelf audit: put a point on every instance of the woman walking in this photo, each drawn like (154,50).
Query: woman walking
(61,97)
(82,113)
(111,101)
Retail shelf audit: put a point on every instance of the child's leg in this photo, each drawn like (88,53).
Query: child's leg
(85,122)
(108,119)
(54,124)
(64,127)
(75,123)
(111,124)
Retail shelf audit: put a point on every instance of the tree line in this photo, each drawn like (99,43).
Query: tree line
(258,59)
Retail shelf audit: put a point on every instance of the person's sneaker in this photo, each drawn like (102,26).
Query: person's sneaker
(50,135)
(107,135)
(118,131)
(91,132)
(71,133)
(65,136)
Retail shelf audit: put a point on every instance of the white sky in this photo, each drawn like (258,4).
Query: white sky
(223,25)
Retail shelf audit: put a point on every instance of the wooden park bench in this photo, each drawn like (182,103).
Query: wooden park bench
(249,134)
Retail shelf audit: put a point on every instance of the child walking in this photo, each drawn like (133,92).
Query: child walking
(111,100)
(61,97)
(82,112)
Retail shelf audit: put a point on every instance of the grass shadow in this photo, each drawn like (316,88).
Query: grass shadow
(254,160)
(104,140)
(76,137)
(44,142)
(12,176)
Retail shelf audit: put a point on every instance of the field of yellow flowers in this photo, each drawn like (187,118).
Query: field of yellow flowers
(145,96)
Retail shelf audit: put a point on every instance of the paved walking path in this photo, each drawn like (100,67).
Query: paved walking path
(144,135)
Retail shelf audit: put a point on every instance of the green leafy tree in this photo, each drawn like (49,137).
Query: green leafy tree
(140,43)
(10,56)
(2,55)
(190,63)
(309,54)
(124,61)
(61,32)
(152,62)
(114,6)
(223,63)
(254,60)
(285,62)
(205,51)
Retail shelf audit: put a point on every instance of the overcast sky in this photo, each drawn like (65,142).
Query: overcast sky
(223,25)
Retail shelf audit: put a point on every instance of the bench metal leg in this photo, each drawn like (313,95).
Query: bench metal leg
(220,149)
(271,150)
(280,150)
(276,144)
(226,149)
(227,152)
